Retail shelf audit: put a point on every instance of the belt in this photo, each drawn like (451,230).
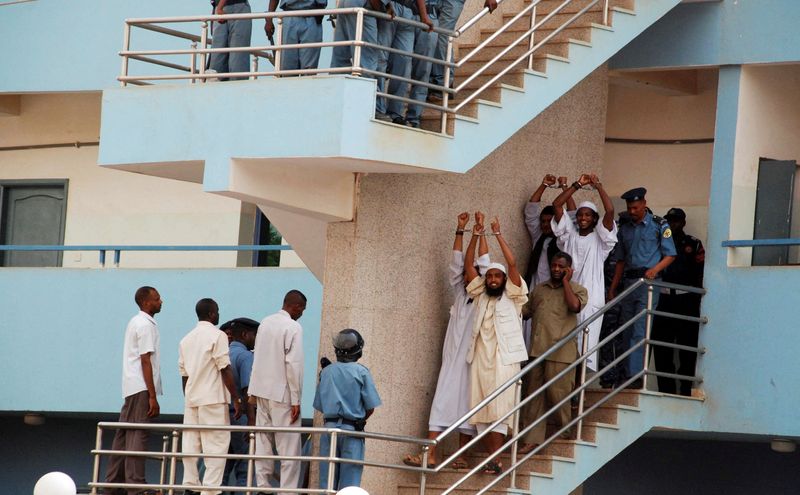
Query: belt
(339,419)
(233,2)
(674,292)
(635,273)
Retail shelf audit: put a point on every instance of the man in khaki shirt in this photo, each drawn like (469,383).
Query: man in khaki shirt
(208,386)
(554,307)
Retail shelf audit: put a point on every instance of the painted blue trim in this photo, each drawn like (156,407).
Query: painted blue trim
(761,242)
(104,247)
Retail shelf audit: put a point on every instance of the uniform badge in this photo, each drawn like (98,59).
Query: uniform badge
(688,249)
(667,233)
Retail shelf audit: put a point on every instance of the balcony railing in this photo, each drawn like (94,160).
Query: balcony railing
(102,249)
(195,70)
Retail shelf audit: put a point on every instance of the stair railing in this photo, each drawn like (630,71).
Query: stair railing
(648,312)
(196,71)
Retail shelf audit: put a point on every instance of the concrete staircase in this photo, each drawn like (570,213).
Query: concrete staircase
(565,464)
(578,36)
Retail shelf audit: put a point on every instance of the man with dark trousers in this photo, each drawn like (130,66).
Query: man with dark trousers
(141,384)
(644,250)
(687,269)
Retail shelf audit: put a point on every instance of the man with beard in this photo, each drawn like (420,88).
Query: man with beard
(554,306)
(451,400)
(497,345)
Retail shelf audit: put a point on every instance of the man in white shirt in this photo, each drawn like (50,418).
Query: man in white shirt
(141,383)
(276,383)
(208,386)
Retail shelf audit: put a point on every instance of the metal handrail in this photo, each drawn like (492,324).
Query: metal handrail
(272,53)
(117,249)
(743,243)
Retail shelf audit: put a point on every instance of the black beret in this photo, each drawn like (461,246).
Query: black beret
(248,323)
(676,213)
(635,194)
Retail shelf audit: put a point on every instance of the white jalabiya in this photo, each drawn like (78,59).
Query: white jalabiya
(451,400)
(589,253)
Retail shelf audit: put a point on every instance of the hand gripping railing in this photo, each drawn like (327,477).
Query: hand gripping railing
(197,71)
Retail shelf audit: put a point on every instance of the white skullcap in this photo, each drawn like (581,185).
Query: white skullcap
(497,266)
(590,205)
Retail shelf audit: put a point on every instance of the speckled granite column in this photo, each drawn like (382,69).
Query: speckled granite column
(385,273)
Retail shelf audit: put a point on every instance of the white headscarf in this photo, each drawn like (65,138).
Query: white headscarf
(590,205)
(497,266)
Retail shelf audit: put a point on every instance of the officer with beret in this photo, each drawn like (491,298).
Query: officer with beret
(644,250)
(687,269)
(242,335)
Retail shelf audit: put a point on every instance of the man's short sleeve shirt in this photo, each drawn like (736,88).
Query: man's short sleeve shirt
(346,390)
(141,337)
(644,244)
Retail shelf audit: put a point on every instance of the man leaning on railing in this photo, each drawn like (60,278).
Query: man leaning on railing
(297,30)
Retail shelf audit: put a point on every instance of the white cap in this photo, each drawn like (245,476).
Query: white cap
(590,205)
(497,266)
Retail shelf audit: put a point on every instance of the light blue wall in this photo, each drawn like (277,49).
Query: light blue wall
(62,329)
(751,367)
(72,45)
(717,33)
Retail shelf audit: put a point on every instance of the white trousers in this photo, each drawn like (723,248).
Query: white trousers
(273,413)
(205,442)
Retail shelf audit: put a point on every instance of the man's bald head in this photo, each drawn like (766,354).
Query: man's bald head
(294,303)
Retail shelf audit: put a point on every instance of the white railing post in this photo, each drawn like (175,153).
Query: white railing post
(164,446)
(193,62)
(173,461)
(448,55)
(251,449)
(98,444)
(531,39)
(605,13)
(648,326)
(331,459)
(279,37)
(204,45)
(581,396)
(422,475)
(126,46)
(359,38)
(515,445)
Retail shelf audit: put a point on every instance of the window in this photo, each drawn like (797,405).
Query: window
(775,217)
(266,234)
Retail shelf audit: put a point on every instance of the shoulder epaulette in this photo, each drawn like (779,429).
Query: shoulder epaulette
(660,220)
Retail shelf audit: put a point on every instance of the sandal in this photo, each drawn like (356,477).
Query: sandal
(460,464)
(415,460)
(492,467)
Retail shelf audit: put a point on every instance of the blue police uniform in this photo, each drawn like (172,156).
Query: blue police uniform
(345,393)
(424,44)
(346,31)
(641,246)
(399,36)
(232,34)
(241,365)
(298,30)
(448,16)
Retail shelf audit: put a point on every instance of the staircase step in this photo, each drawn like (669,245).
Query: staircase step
(624,397)
(560,19)
(514,78)
(489,52)
(589,431)
(576,5)
(604,414)
(569,32)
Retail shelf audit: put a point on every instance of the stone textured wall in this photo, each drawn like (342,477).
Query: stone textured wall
(385,272)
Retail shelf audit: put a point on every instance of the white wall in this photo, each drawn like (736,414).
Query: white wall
(107,206)
(675,175)
(768,126)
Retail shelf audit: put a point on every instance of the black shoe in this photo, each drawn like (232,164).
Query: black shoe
(435,96)
(191,492)
(637,384)
(399,121)
(415,125)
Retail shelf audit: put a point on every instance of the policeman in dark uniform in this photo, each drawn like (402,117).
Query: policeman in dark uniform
(687,269)
(644,250)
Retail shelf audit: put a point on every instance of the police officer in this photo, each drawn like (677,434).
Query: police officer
(687,269)
(297,30)
(346,396)
(230,34)
(242,336)
(644,250)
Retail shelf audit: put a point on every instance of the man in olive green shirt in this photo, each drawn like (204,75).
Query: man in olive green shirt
(554,307)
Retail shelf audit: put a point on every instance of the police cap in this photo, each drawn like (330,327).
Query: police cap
(242,323)
(676,213)
(635,194)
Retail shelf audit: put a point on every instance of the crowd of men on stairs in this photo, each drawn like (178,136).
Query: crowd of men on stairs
(402,38)
(249,373)
(579,261)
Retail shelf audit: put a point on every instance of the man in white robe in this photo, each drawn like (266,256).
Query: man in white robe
(588,242)
(497,345)
(451,400)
